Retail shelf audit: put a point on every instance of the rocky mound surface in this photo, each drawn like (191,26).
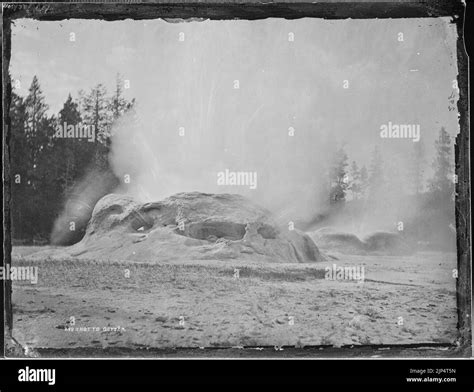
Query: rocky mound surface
(380,242)
(190,226)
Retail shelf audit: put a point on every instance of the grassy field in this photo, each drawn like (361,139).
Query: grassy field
(96,304)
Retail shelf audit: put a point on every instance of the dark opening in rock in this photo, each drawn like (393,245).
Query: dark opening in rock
(141,222)
(268,232)
(212,229)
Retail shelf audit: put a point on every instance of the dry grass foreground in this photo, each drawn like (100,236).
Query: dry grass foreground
(201,303)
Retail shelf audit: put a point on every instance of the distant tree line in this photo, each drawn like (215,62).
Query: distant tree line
(45,168)
(351,187)
(354,182)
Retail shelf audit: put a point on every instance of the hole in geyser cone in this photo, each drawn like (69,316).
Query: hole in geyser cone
(212,229)
(141,222)
(267,232)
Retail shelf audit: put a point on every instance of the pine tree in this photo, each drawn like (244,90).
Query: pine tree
(118,104)
(70,112)
(95,111)
(72,152)
(338,178)
(35,131)
(355,184)
(35,107)
(38,133)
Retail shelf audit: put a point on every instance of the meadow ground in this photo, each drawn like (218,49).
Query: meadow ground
(201,303)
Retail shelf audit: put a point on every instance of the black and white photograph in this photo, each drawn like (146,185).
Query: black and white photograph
(233,185)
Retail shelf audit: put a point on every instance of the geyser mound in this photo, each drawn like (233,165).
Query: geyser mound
(189,226)
(348,243)
(380,242)
(394,242)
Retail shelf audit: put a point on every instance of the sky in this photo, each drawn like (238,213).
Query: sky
(283,83)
